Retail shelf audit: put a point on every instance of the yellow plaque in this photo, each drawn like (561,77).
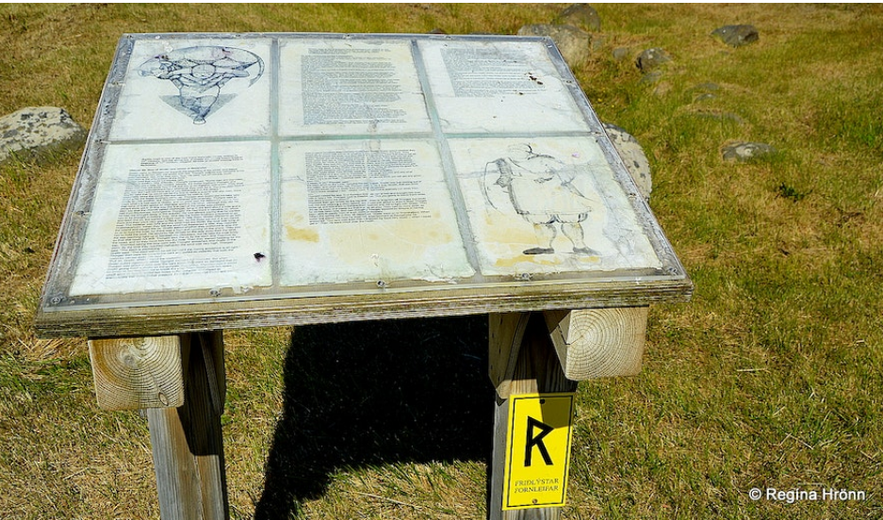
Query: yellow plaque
(537,450)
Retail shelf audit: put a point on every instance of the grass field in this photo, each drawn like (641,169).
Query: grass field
(770,378)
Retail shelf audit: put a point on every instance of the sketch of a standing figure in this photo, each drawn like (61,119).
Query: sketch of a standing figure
(200,73)
(541,190)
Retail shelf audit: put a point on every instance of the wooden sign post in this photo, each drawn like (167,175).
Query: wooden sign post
(246,180)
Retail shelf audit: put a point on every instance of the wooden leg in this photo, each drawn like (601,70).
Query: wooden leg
(522,361)
(188,451)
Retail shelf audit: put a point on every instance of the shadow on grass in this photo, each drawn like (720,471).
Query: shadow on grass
(369,393)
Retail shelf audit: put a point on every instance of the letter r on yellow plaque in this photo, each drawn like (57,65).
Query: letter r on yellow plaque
(538,442)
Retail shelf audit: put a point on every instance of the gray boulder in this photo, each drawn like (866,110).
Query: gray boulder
(744,151)
(583,16)
(633,156)
(38,130)
(573,42)
(736,35)
(651,59)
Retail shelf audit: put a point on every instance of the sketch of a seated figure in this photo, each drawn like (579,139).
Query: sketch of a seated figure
(541,190)
(200,73)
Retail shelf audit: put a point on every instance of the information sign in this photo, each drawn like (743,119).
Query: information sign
(537,450)
(385,175)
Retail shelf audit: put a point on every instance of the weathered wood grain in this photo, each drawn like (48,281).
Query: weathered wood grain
(598,342)
(536,370)
(505,334)
(137,373)
(188,451)
(145,319)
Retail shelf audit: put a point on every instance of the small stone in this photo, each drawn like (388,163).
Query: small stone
(621,53)
(652,58)
(36,130)
(704,91)
(633,156)
(572,41)
(736,35)
(583,16)
(744,151)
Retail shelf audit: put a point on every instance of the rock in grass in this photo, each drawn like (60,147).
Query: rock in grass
(583,16)
(37,130)
(573,42)
(742,151)
(651,59)
(736,35)
(621,53)
(633,156)
(704,91)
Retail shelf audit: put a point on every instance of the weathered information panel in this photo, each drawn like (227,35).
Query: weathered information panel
(240,180)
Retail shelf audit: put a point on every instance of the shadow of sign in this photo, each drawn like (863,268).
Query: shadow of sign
(380,392)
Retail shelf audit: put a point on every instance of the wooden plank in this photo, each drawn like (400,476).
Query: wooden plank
(134,319)
(536,370)
(598,342)
(505,334)
(188,450)
(213,348)
(137,373)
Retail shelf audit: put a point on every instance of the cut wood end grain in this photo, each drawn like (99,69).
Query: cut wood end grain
(595,343)
(137,373)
